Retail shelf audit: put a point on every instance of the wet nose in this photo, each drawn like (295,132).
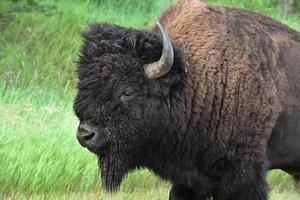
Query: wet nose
(85,134)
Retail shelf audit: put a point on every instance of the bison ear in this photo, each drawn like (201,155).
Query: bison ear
(148,47)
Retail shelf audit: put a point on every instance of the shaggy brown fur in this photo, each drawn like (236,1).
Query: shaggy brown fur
(244,71)
(205,125)
(236,56)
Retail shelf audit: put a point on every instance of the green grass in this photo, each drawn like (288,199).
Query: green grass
(39,155)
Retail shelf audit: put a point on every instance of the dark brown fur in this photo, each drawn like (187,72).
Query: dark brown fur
(244,70)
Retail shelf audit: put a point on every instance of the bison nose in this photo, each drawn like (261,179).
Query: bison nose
(85,134)
(92,137)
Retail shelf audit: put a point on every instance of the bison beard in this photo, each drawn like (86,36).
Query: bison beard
(117,160)
(202,123)
(112,171)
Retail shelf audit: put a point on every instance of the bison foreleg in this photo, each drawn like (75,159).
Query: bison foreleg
(243,181)
(297,179)
(179,192)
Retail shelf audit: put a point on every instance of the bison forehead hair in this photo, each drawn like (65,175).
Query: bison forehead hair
(128,111)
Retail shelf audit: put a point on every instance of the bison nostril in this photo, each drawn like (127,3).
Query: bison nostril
(84,137)
(92,138)
(88,136)
(85,133)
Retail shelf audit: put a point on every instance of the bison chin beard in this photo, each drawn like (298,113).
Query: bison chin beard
(112,170)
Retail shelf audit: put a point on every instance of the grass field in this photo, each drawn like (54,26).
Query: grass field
(39,155)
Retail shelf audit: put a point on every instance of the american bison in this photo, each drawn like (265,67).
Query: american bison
(194,99)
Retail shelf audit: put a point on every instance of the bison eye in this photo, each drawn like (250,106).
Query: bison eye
(127,95)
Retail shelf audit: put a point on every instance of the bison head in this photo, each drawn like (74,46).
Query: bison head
(128,83)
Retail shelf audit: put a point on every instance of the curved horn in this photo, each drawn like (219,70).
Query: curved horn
(164,64)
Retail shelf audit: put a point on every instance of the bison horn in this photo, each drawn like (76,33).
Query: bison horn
(164,64)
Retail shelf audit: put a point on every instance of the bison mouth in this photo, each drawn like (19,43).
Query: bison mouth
(112,171)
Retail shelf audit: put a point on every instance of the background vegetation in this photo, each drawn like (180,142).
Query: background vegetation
(39,41)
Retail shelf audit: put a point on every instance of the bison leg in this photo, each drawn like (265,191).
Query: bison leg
(179,192)
(297,179)
(243,181)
